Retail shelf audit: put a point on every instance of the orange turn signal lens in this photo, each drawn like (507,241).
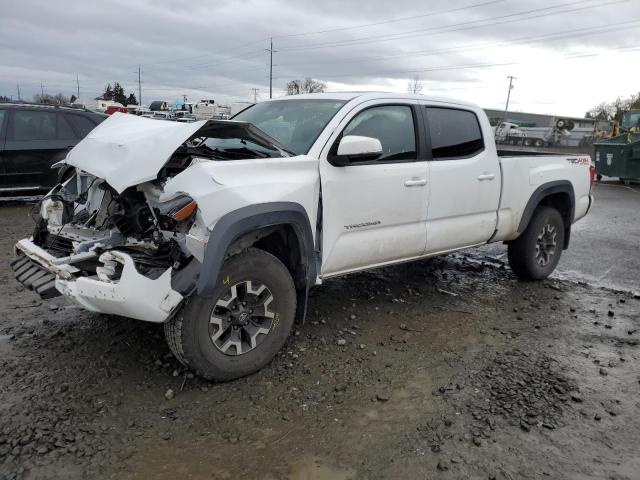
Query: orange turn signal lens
(185,212)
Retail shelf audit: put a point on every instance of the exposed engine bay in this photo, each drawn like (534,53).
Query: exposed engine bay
(84,217)
(122,232)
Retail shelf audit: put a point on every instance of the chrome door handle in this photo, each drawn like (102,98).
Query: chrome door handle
(486,176)
(415,182)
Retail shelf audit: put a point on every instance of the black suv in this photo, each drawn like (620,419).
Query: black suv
(34,137)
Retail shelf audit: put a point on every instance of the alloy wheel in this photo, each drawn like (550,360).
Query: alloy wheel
(242,317)
(546,245)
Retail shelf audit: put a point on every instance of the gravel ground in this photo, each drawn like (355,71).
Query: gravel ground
(448,368)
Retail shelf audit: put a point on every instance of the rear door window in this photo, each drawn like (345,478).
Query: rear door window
(454,133)
(64,129)
(81,124)
(33,125)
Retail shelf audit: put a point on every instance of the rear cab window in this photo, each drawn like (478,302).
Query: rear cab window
(454,133)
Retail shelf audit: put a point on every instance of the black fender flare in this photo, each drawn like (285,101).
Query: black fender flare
(237,223)
(539,194)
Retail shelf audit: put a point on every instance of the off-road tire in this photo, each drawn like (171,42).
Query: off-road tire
(522,251)
(188,332)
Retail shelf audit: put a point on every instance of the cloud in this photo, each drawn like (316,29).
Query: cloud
(203,49)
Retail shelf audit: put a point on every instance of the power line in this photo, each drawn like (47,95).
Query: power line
(465,66)
(226,60)
(385,22)
(200,56)
(590,31)
(413,17)
(463,26)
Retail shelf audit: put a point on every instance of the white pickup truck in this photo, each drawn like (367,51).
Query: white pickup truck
(219,228)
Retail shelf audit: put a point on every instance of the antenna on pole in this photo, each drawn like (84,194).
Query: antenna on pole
(271,52)
(506,107)
(139,87)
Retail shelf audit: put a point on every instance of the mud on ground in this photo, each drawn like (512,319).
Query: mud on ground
(448,368)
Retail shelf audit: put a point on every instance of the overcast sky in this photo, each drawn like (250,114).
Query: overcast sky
(567,55)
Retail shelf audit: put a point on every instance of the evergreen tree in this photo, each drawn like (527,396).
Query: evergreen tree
(108,93)
(118,94)
(132,100)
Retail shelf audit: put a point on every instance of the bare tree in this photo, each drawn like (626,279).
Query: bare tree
(614,110)
(602,111)
(48,99)
(308,85)
(415,85)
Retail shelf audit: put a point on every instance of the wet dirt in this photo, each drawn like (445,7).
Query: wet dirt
(449,368)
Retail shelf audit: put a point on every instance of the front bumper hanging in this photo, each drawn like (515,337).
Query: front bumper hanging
(131,295)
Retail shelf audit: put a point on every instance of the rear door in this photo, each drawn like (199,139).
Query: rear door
(374,212)
(465,179)
(36,139)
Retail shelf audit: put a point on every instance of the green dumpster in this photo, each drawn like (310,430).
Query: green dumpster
(619,157)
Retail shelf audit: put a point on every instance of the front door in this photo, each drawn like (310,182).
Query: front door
(374,212)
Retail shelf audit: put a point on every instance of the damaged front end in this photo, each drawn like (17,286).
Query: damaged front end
(112,236)
(117,253)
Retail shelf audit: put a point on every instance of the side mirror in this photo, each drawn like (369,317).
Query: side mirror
(353,148)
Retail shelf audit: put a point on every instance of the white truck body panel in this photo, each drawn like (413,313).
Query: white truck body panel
(372,214)
(221,187)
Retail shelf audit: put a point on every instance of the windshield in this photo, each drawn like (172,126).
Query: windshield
(294,123)
(237,149)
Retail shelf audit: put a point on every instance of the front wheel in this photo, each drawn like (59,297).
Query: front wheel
(536,253)
(242,325)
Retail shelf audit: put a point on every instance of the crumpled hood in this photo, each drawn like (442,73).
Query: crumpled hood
(126,150)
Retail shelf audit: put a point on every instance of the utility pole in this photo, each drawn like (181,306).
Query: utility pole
(271,52)
(139,87)
(78,87)
(506,108)
(18,88)
(42,89)
(255,95)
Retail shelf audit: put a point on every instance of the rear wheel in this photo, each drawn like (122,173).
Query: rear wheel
(536,253)
(245,322)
